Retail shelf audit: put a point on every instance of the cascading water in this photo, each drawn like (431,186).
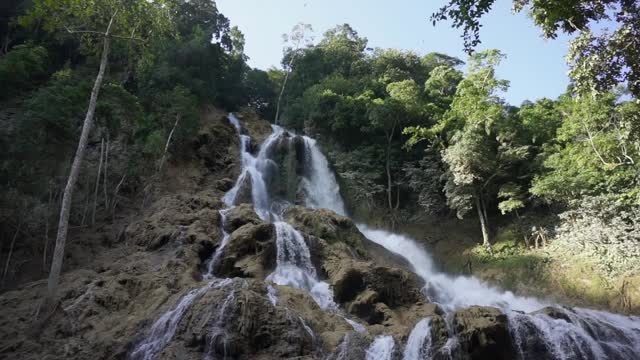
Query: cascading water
(588,335)
(294,267)
(164,328)
(381,348)
(320,184)
(419,343)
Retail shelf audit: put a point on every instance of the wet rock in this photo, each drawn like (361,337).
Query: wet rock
(238,321)
(353,347)
(177,219)
(483,333)
(244,194)
(259,129)
(329,226)
(288,153)
(555,313)
(224,185)
(328,327)
(392,286)
(239,216)
(217,146)
(250,252)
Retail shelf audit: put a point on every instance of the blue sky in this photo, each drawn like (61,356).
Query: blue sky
(534,66)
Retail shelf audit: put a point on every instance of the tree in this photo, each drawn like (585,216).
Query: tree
(389,116)
(105,20)
(472,156)
(595,152)
(597,62)
(298,37)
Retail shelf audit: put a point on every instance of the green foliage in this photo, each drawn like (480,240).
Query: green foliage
(598,62)
(21,67)
(596,151)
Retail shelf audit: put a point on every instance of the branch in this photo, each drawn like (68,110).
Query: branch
(106,33)
(595,149)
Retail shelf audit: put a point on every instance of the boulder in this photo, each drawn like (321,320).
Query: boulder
(554,313)
(329,226)
(353,347)
(244,194)
(235,319)
(483,333)
(251,252)
(217,146)
(239,216)
(224,184)
(178,222)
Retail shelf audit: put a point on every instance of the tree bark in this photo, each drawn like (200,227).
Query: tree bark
(13,242)
(106,167)
(166,146)
(95,192)
(483,222)
(389,136)
(46,229)
(284,84)
(63,223)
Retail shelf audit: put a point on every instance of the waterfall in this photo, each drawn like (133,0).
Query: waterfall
(164,328)
(218,333)
(381,348)
(294,267)
(419,343)
(587,334)
(590,334)
(320,183)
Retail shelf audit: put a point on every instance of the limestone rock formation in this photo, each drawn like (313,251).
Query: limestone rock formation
(483,333)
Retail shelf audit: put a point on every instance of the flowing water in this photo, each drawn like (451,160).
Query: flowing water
(588,334)
(419,342)
(381,348)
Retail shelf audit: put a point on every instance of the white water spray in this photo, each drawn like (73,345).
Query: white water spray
(419,343)
(320,183)
(381,348)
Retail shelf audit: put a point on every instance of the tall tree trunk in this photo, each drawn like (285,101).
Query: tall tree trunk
(284,84)
(387,166)
(13,242)
(63,224)
(95,191)
(106,167)
(166,146)
(483,222)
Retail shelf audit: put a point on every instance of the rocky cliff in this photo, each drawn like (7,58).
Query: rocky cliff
(157,290)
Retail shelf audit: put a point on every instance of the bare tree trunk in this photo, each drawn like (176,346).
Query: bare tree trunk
(5,44)
(284,84)
(387,165)
(106,167)
(63,224)
(46,229)
(95,192)
(114,202)
(483,223)
(13,242)
(166,146)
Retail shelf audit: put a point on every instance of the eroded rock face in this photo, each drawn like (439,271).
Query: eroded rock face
(238,321)
(483,333)
(178,218)
(329,226)
(240,215)
(250,252)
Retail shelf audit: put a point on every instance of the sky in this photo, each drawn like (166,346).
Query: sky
(534,66)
